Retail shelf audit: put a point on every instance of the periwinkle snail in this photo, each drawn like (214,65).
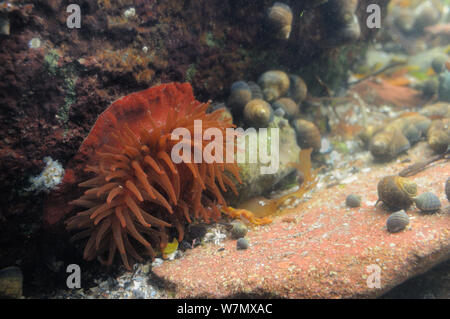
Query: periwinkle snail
(240,95)
(397,221)
(308,135)
(258,113)
(428,202)
(279,20)
(396,192)
(274,84)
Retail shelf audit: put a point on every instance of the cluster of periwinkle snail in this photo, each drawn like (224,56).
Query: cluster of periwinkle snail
(399,193)
(386,142)
(275,93)
(342,25)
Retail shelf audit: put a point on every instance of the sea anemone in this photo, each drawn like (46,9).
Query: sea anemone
(136,194)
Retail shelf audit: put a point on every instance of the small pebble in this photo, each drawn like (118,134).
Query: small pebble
(241,243)
(353,200)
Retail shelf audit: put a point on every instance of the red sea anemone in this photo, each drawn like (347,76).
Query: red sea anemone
(136,194)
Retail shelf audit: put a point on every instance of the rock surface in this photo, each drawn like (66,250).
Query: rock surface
(255,183)
(323,249)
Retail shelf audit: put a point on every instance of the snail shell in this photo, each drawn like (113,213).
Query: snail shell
(258,113)
(274,84)
(298,89)
(256,90)
(308,135)
(279,112)
(436,110)
(430,87)
(242,243)
(240,95)
(415,127)
(367,134)
(353,200)
(289,107)
(396,192)
(438,63)
(279,18)
(421,123)
(238,230)
(447,189)
(397,221)
(427,15)
(342,22)
(388,143)
(438,135)
(427,202)
(405,21)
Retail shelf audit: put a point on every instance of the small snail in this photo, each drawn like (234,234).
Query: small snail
(397,136)
(342,22)
(438,63)
(239,96)
(415,127)
(404,21)
(279,19)
(436,110)
(308,135)
(238,230)
(274,84)
(256,90)
(427,15)
(428,202)
(242,243)
(289,107)
(438,135)
(353,200)
(396,192)
(367,134)
(397,221)
(388,143)
(430,87)
(258,113)
(298,89)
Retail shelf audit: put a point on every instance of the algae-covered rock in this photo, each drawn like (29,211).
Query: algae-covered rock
(259,177)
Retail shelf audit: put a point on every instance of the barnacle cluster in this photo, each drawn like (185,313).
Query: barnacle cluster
(49,178)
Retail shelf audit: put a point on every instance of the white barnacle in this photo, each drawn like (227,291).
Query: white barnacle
(129,13)
(49,178)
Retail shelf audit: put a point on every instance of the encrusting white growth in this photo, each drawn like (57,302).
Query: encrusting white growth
(50,177)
